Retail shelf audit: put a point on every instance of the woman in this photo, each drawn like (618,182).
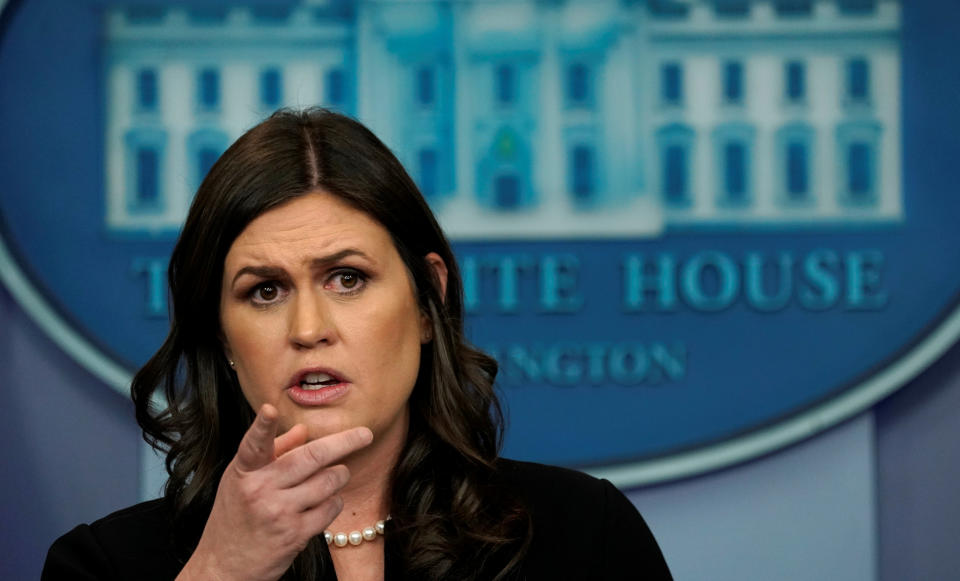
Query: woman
(326,418)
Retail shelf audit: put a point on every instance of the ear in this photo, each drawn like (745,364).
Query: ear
(439,273)
(439,268)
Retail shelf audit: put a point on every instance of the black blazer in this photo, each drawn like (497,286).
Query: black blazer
(583,528)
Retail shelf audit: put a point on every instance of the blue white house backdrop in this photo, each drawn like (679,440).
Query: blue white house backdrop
(690,231)
(530,119)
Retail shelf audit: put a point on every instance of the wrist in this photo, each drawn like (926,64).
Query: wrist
(199,568)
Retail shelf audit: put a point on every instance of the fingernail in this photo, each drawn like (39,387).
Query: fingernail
(367,434)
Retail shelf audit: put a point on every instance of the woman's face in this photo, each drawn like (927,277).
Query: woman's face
(320,318)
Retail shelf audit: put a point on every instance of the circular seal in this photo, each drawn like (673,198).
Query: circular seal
(690,234)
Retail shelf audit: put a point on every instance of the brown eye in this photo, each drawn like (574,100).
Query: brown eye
(347,281)
(267,292)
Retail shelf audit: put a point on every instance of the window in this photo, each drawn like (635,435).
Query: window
(735,170)
(425,86)
(797,171)
(858,144)
(675,144)
(147,90)
(733,82)
(793,7)
(857,7)
(505,85)
(671,83)
(144,170)
(795,81)
(506,191)
(858,80)
(148,178)
(428,172)
(336,87)
(208,86)
(794,146)
(582,177)
(731,8)
(578,84)
(859,171)
(732,165)
(271,90)
(675,174)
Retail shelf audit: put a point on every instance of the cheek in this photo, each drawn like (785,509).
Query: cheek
(390,338)
(250,347)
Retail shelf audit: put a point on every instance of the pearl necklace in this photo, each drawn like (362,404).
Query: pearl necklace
(355,537)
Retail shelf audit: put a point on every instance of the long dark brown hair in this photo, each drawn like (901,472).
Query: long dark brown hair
(449,517)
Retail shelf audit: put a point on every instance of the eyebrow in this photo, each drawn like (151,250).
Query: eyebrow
(316,264)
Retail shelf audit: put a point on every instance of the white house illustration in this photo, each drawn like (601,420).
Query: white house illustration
(531,118)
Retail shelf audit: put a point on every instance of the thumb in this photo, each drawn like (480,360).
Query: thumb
(256,448)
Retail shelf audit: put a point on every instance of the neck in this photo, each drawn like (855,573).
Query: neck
(366,497)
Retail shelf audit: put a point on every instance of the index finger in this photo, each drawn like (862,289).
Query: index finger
(300,463)
(256,447)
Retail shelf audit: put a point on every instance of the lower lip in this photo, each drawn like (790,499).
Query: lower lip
(316,397)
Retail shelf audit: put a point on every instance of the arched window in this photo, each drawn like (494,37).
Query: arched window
(734,164)
(858,149)
(675,147)
(204,148)
(795,164)
(144,171)
(504,174)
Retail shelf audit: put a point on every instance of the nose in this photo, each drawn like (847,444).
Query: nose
(310,322)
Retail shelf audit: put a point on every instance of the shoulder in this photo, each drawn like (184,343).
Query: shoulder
(582,526)
(545,489)
(133,541)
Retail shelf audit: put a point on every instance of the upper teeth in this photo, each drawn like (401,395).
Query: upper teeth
(316,378)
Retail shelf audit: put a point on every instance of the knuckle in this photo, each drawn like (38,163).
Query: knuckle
(251,492)
(332,480)
(317,454)
(272,512)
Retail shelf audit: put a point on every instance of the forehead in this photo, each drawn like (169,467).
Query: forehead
(313,223)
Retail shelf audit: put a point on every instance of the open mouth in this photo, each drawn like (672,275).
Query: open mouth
(312,381)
